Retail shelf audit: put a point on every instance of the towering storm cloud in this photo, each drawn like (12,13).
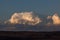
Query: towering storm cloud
(25,18)
(56,19)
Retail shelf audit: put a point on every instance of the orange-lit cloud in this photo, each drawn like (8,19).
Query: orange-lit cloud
(56,19)
(24,18)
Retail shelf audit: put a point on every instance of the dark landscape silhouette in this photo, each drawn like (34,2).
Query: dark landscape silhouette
(29,32)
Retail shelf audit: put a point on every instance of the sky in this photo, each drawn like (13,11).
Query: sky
(41,7)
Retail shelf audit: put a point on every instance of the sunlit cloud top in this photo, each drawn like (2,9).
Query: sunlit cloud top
(25,18)
(56,19)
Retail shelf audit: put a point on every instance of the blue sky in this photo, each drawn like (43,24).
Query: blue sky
(42,7)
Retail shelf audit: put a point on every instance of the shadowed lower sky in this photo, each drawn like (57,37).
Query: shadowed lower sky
(42,7)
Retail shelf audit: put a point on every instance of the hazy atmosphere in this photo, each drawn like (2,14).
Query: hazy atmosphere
(30,12)
(41,7)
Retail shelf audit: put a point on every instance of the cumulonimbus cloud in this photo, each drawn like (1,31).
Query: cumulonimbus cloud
(55,19)
(24,18)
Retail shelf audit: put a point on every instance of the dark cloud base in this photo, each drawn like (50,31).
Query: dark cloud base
(21,27)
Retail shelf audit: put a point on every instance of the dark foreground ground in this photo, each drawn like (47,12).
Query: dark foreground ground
(29,35)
